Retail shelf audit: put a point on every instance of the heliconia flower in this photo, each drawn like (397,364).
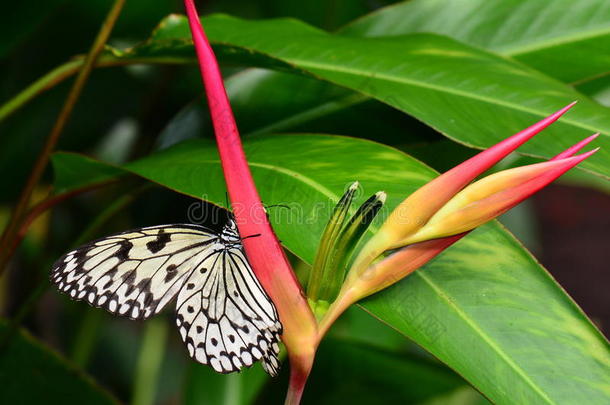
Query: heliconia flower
(264,252)
(460,212)
(418,209)
(492,196)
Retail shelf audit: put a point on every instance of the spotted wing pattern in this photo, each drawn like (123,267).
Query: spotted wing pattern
(136,273)
(225,317)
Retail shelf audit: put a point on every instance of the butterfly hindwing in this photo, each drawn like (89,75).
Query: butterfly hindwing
(224,316)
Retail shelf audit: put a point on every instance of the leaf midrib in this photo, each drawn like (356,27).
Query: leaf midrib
(445,89)
(484,336)
(545,44)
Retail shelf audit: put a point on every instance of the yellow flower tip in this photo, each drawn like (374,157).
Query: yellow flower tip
(492,196)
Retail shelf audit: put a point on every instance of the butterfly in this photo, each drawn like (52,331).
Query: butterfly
(224,316)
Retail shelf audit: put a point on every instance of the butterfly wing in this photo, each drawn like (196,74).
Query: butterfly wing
(134,273)
(225,317)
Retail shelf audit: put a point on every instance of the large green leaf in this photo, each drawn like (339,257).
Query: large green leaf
(467,94)
(565,39)
(72,171)
(485,307)
(31,373)
(266,101)
(347,372)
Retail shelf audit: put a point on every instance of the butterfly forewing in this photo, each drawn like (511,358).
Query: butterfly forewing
(134,273)
(223,314)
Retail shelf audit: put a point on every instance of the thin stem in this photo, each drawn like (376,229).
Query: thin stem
(232,391)
(64,71)
(60,123)
(47,81)
(149,362)
(299,372)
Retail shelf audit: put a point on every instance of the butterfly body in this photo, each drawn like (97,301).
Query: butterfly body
(223,314)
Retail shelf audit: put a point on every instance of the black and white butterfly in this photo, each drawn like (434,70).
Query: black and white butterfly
(224,316)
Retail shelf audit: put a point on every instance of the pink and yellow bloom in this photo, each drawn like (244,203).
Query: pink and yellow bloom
(442,211)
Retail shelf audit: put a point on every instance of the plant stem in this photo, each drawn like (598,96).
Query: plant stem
(64,71)
(60,123)
(149,362)
(299,372)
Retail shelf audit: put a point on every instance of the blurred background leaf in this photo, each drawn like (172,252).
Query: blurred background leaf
(32,373)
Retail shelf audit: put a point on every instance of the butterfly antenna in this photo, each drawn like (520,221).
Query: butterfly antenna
(251,236)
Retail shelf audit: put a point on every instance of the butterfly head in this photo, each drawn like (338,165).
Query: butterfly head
(229,234)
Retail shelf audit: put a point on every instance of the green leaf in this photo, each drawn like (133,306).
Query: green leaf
(31,373)
(563,38)
(348,372)
(467,94)
(73,171)
(485,307)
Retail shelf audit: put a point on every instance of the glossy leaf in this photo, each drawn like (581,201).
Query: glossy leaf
(485,307)
(362,374)
(72,171)
(467,94)
(31,373)
(562,38)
